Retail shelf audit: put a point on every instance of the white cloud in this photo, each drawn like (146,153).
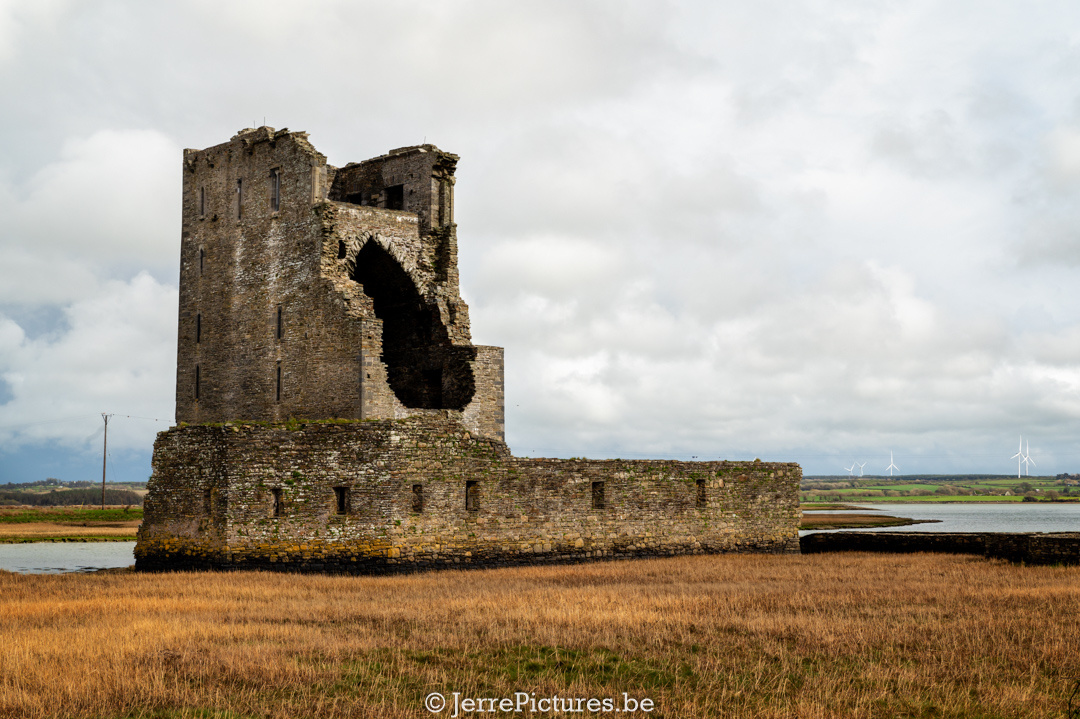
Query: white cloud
(736,226)
(20,16)
(118,354)
(109,201)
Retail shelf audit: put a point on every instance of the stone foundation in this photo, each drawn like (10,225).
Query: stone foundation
(1025,547)
(424,492)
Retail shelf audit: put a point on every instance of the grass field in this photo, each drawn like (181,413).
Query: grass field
(854,521)
(22,515)
(63,524)
(939,488)
(51,531)
(936,499)
(840,635)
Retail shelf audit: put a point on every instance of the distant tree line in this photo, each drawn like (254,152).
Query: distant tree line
(878,479)
(69,497)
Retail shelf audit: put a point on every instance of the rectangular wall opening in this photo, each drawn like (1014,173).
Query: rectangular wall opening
(197,381)
(472,495)
(279,325)
(597,495)
(278,393)
(275,190)
(433,381)
(395,197)
(279,505)
(417,498)
(198,328)
(700,501)
(341,499)
(239,199)
(202,201)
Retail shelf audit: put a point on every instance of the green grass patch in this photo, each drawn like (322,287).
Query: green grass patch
(21,516)
(939,498)
(820,506)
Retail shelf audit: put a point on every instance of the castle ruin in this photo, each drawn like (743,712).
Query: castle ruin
(334,415)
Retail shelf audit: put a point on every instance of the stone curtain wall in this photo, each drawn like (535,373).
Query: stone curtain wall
(403,485)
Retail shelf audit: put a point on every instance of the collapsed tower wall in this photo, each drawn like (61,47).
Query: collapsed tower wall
(281,314)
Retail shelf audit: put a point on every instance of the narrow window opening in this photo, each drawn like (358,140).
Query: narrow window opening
(341,249)
(433,380)
(202,257)
(279,326)
(395,197)
(196,381)
(417,498)
(341,498)
(472,495)
(198,328)
(701,499)
(597,495)
(275,190)
(278,396)
(239,199)
(208,502)
(202,201)
(279,505)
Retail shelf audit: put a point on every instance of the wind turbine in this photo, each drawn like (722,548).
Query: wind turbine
(1028,459)
(851,469)
(891,466)
(1019,456)
(861,465)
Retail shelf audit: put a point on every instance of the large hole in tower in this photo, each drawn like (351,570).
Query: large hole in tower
(424,370)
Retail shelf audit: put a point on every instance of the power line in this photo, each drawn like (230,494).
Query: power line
(72,419)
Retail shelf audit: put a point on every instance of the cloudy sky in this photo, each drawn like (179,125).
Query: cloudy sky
(809,231)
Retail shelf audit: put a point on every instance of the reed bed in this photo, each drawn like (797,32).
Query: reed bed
(840,635)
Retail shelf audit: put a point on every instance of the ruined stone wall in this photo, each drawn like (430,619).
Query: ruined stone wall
(417,179)
(240,262)
(406,485)
(274,320)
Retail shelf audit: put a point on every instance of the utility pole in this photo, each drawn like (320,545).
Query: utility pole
(104,456)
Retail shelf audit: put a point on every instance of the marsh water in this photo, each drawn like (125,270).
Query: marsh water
(972,517)
(60,557)
(54,558)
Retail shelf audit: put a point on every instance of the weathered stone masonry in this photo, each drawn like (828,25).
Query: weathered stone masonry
(334,415)
(406,483)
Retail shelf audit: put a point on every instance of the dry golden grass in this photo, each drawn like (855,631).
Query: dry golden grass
(33,530)
(841,635)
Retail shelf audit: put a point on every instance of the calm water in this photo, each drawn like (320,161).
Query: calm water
(1003,517)
(50,558)
(54,558)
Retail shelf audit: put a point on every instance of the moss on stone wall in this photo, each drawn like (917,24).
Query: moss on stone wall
(523,511)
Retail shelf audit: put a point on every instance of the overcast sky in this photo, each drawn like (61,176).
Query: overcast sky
(802,231)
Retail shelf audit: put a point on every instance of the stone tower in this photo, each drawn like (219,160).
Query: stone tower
(317,292)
